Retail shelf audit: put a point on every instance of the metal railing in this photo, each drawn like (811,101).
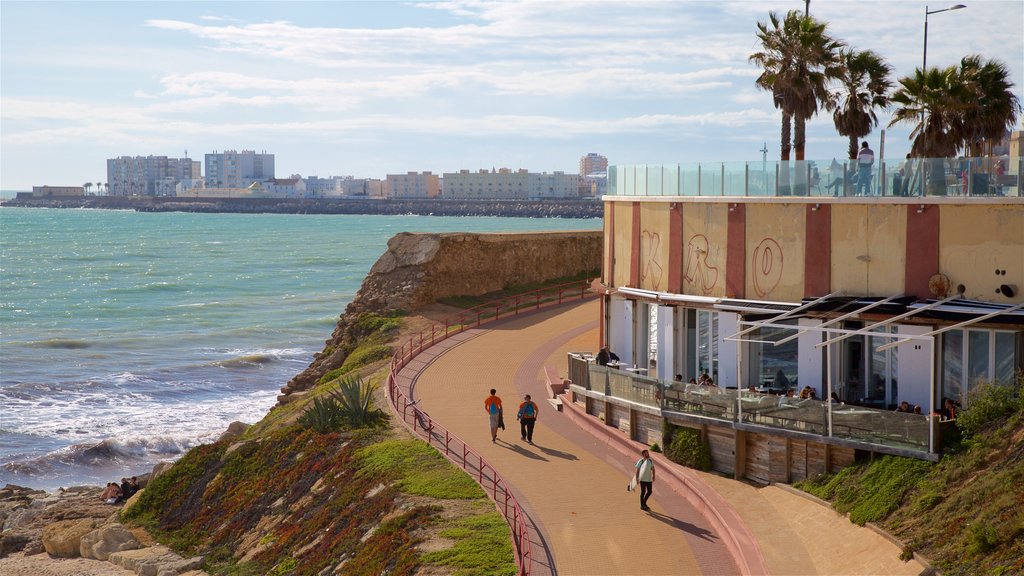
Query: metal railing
(450,445)
(914,177)
(813,416)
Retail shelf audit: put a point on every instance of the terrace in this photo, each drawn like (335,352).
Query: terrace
(859,427)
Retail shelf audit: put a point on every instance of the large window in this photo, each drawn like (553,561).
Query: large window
(705,346)
(770,365)
(974,355)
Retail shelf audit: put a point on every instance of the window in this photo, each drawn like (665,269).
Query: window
(771,365)
(705,345)
(972,356)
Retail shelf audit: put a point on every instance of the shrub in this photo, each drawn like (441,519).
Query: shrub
(983,538)
(989,403)
(355,399)
(364,355)
(323,416)
(655,447)
(689,448)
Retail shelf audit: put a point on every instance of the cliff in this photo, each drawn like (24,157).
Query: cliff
(419,269)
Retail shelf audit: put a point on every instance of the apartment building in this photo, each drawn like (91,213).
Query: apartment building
(507,184)
(232,169)
(593,175)
(149,175)
(413,185)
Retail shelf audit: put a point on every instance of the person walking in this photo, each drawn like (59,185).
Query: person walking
(527,417)
(865,160)
(493,407)
(645,477)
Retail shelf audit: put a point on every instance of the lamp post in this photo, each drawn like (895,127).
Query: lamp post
(927,12)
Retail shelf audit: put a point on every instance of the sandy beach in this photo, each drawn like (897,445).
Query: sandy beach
(42,565)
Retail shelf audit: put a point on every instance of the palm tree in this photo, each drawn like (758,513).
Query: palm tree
(87,186)
(955,107)
(996,107)
(864,88)
(799,59)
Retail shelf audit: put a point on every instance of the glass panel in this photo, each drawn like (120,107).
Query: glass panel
(688,179)
(670,186)
(773,367)
(876,374)
(703,348)
(653,179)
(691,340)
(714,345)
(640,181)
(652,340)
(711,179)
(613,180)
(977,357)
(1006,357)
(853,390)
(735,179)
(952,365)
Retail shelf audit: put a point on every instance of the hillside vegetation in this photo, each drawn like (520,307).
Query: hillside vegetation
(313,488)
(965,513)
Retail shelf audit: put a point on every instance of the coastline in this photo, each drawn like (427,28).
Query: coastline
(554,208)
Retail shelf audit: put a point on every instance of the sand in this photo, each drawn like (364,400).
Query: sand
(42,565)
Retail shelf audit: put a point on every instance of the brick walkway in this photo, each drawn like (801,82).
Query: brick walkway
(572,482)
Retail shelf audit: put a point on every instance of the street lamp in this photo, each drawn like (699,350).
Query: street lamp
(927,12)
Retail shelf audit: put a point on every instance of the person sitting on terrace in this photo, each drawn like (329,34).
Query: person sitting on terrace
(705,379)
(835,398)
(787,399)
(605,356)
(949,410)
(903,407)
(678,378)
(692,381)
(917,409)
(806,393)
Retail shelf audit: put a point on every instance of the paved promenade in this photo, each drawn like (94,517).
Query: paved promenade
(572,482)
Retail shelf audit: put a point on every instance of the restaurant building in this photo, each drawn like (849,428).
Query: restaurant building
(869,301)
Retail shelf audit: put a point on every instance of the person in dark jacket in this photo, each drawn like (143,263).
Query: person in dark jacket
(605,356)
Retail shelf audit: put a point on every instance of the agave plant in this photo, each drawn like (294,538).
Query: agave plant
(323,416)
(355,399)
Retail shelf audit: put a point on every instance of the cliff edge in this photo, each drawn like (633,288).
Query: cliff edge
(421,268)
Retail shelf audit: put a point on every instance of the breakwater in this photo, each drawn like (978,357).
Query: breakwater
(562,208)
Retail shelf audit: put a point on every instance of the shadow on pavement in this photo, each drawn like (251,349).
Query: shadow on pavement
(558,453)
(520,450)
(684,526)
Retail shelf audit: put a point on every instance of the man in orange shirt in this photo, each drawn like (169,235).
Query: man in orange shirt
(493,407)
(527,417)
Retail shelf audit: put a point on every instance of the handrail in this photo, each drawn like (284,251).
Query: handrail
(421,424)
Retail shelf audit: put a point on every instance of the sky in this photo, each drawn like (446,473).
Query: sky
(375,88)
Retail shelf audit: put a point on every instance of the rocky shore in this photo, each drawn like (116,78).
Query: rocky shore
(562,208)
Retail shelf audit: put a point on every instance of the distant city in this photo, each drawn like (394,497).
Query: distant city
(251,174)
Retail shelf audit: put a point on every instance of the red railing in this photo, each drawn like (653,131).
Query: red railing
(453,447)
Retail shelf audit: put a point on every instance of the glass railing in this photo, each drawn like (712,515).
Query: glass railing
(915,177)
(850,422)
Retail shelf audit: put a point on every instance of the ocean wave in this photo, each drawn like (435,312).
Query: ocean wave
(258,358)
(62,343)
(102,454)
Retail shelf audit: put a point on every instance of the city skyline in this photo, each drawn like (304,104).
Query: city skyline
(367,89)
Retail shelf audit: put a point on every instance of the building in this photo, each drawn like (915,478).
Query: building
(865,301)
(413,185)
(50,191)
(294,187)
(507,184)
(149,175)
(593,175)
(231,169)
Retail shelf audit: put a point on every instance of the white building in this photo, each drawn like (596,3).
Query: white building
(149,175)
(507,184)
(231,169)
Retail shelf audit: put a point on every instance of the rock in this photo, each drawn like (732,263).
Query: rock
(100,543)
(235,429)
(21,517)
(155,561)
(133,500)
(63,539)
(13,542)
(159,469)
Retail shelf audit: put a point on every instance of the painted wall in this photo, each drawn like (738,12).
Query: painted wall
(775,252)
(654,246)
(623,242)
(705,227)
(982,247)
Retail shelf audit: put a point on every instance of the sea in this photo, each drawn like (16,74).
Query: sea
(127,338)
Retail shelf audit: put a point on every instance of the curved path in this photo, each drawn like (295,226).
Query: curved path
(572,483)
(569,482)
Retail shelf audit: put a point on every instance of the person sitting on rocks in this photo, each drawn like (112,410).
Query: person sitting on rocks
(134,481)
(126,490)
(111,494)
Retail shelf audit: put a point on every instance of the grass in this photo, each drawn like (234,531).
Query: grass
(513,290)
(965,513)
(418,469)
(482,547)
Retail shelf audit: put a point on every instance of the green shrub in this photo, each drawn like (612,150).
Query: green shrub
(989,403)
(983,538)
(364,355)
(655,447)
(689,448)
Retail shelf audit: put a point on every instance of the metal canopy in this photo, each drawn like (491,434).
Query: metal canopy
(963,324)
